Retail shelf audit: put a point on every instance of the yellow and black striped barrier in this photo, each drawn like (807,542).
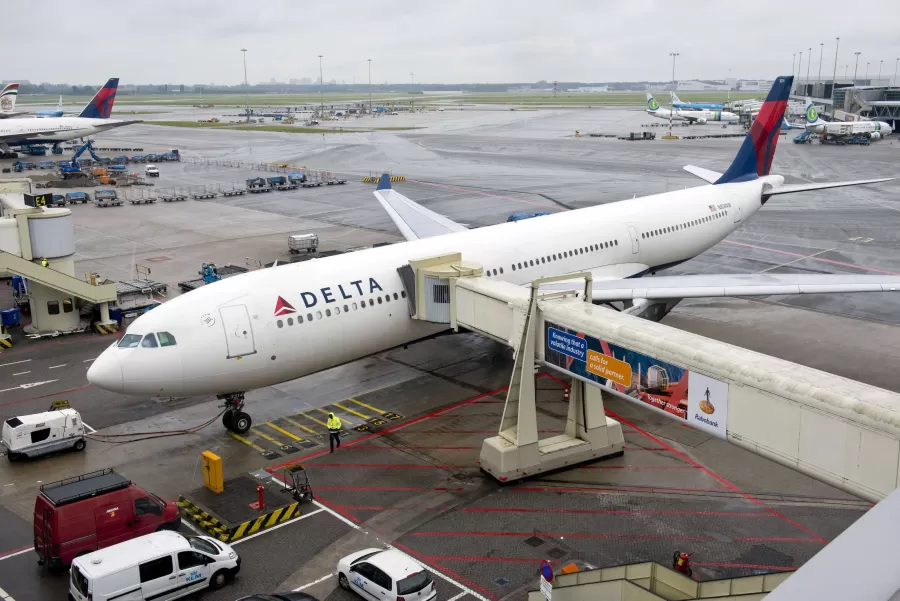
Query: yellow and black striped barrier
(375,180)
(5,342)
(226,534)
(106,329)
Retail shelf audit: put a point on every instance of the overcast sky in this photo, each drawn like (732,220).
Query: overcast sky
(442,41)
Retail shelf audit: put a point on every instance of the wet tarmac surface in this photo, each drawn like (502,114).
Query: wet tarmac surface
(413,480)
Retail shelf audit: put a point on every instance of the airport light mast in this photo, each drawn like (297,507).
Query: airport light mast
(834,74)
(321,92)
(808,64)
(821,52)
(897,62)
(369,60)
(799,67)
(866,78)
(856,67)
(246,85)
(880,63)
(674,87)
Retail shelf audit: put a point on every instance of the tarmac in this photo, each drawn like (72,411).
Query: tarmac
(407,471)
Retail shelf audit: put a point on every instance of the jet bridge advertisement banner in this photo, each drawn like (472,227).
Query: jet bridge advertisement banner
(699,400)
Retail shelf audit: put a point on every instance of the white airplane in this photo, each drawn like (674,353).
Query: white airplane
(274,325)
(92,120)
(701,116)
(871,129)
(8,100)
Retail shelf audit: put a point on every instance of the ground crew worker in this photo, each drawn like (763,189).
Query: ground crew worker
(334,431)
(45,262)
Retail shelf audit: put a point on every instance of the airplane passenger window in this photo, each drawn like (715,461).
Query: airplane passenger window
(387,298)
(542,259)
(617,242)
(318,315)
(290,321)
(513,266)
(520,265)
(379,300)
(327,312)
(362,304)
(501,273)
(130,341)
(554,257)
(149,341)
(299,319)
(309,317)
(280,323)
(337,310)
(165,339)
(395,296)
(346,309)
(354,306)
(531,263)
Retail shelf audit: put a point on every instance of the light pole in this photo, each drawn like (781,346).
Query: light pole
(674,87)
(880,63)
(369,60)
(246,85)
(856,67)
(866,78)
(834,74)
(800,65)
(794,64)
(321,91)
(808,63)
(412,78)
(819,78)
(894,78)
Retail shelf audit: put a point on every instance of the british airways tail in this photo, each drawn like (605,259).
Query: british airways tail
(100,106)
(754,159)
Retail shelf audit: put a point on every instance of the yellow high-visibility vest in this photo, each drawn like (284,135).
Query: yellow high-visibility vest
(334,423)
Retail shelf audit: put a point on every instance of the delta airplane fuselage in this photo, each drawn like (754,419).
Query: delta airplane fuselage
(282,323)
(52,129)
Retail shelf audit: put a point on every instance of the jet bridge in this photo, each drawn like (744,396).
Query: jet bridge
(840,431)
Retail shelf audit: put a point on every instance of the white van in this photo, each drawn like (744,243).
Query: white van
(42,433)
(162,566)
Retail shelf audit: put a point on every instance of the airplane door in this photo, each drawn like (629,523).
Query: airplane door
(635,245)
(737,214)
(238,331)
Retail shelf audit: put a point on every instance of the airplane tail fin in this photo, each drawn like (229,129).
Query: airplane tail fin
(812,115)
(59,106)
(652,104)
(675,99)
(754,159)
(100,106)
(8,98)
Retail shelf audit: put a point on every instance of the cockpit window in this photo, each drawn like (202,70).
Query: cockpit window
(166,339)
(149,341)
(130,341)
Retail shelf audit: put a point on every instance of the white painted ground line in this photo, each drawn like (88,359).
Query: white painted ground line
(5,596)
(441,575)
(86,360)
(15,362)
(55,366)
(281,525)
(462,594)
(314,582)
(22,373)
(29,549)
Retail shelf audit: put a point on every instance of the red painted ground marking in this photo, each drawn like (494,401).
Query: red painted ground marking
(595,489)
(607,535)
(398,466)
(44,396)
(744,514)
(388,508)
(14,551)
(790,254)
(638,467)
(476,431)
(406,446)
(785,539)
(630,448)
(409,422)
(447,571)
(393,488)
(498,559)
(751,566)
(718,478)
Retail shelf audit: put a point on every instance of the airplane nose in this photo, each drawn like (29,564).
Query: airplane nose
(106,372)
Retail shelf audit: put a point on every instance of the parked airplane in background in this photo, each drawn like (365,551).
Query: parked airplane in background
(273,325)
(703,116)
(872,129)
(92,120)
(57,112)
(678,104)
(8,100)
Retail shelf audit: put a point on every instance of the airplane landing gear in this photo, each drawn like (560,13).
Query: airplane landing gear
(234,417)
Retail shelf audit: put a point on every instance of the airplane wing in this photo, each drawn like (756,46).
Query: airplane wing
(412,219)
(704,174)
(751,284)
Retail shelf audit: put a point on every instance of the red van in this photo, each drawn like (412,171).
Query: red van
(82,514)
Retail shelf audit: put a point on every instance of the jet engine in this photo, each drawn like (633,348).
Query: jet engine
(701,120)
(875,135)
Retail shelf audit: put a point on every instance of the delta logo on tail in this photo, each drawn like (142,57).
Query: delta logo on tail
(282,307)
(101,104)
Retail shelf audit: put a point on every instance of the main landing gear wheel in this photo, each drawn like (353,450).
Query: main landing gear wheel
(234,417)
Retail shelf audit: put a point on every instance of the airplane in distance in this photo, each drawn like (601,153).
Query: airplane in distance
(691,116)
(273,325)
(871,129)
(57,112)
(8,100)
(679,104)
(92,120)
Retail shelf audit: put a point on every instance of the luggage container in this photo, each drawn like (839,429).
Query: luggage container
(303,242)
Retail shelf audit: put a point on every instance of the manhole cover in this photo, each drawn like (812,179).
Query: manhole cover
(556,553)
(533,541)
(502,581)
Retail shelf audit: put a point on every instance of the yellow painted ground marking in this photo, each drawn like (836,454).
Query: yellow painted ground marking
(283,431)
(361,404)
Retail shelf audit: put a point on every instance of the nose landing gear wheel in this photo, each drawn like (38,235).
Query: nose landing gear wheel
(240,423)
(227,419)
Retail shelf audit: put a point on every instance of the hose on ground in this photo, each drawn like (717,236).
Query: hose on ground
(117,438)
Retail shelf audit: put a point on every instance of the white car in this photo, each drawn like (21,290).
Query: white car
(151,171)
(385,575)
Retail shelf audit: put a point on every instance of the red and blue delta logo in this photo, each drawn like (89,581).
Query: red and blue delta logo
(282,307)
